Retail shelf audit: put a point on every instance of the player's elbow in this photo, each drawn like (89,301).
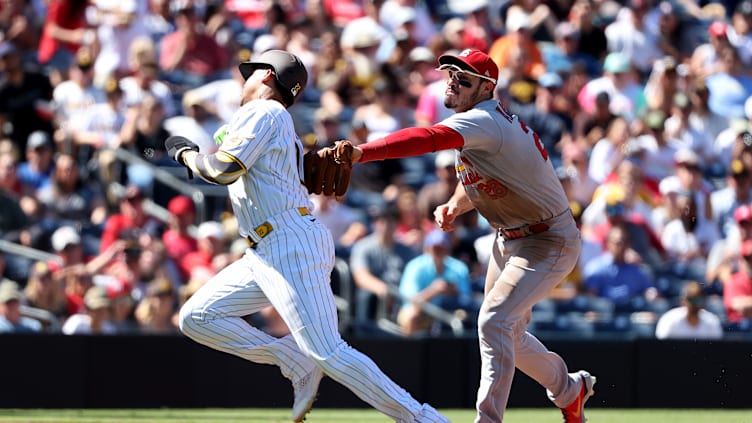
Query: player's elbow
(220,168)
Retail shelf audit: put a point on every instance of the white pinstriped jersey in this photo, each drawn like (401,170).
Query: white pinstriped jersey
(505,168)
(262,136)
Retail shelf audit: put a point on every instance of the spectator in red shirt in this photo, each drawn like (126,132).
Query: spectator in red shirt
(645,247)
(132,217)
(76,283)
(176,238)
(342,12)
(70,255)
(211,244)
(65,30)
(189,55)
(9,181)
(737,291)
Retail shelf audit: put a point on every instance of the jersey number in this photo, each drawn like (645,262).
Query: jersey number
(536,138)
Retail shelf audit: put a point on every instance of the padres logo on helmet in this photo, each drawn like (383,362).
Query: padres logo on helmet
(294,90)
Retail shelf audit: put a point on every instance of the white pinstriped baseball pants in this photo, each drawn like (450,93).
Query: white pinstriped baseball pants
(291,269)
(521,273)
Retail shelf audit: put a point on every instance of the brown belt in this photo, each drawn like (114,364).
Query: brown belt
(263,229)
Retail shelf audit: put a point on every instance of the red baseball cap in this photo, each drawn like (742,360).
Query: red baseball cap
(474,61)
(717,29)
(180,205)
(743,213)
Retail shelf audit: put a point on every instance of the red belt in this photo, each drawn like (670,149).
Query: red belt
(523,231)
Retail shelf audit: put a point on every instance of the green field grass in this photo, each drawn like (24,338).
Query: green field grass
(358,416)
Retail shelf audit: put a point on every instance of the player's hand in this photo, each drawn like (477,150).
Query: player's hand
(444,216)
(177,145)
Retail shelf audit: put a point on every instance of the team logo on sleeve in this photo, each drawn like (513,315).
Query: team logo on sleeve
(235,139)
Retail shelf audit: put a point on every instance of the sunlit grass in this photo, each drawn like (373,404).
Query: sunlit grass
(322,415)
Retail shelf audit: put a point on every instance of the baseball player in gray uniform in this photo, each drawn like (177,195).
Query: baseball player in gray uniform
(506,175)
(290,257)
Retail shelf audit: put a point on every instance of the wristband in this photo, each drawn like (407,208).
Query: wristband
(178,154)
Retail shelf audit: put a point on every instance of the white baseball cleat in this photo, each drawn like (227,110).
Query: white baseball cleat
(306,389)
(574,412)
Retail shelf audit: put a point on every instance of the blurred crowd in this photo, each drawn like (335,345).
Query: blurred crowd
(644,106)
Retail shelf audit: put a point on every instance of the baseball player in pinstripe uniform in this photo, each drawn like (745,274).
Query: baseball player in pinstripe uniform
(290,257)
(506,175)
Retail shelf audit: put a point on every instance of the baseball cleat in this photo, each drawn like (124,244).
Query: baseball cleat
(306,389)
(574,412)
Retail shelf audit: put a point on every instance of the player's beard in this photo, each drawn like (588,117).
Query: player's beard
(460,102)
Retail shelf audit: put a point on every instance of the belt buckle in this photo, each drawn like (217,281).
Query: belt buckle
(263,229)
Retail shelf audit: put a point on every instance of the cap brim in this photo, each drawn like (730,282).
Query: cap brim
(9,298)
(247,68)
(448,59)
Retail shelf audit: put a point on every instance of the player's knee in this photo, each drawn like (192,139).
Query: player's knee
(188,321)
(490,325)
(327,359)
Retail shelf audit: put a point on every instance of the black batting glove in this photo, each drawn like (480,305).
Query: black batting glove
(176,145)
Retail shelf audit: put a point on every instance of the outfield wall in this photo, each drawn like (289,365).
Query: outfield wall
(57,371)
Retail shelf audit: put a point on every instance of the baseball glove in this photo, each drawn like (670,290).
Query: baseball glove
(327,171)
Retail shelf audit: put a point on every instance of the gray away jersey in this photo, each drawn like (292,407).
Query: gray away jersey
(505,168)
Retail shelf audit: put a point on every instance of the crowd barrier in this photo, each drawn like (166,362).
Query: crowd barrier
(57,371)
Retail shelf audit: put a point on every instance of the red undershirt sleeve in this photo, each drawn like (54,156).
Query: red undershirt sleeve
(410,142)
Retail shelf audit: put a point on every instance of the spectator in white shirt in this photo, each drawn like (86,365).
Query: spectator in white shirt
(690,320)
(630,36)
(96,319)
(688,239)
(74,96)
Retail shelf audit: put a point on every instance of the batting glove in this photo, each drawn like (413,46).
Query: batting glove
(176,145)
